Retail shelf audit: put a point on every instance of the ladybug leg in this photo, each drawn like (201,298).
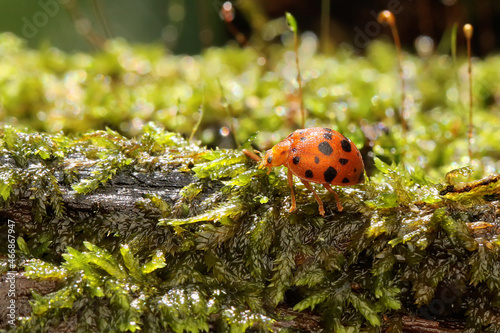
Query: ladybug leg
(337,199)
(318,199)
(290,183)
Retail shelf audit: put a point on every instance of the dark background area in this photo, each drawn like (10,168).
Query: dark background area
(188,26)
(433,18)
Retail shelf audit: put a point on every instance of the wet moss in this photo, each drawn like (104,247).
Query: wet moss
(235,254)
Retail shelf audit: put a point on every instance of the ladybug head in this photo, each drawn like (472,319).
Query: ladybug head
(267,161)
(275,156)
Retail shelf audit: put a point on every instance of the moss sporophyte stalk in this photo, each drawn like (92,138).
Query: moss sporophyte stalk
(233,255)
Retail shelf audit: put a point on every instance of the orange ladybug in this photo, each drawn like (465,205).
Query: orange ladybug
(318,155)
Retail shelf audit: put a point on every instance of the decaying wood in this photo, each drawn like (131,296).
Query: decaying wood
(468,186)
(420,325)
(120,194)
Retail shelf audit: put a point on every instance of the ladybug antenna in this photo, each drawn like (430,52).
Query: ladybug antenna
(253,155)
(387,17)
(468,30)
(292,24)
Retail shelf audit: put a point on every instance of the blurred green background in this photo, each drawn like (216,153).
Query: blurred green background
(185,26)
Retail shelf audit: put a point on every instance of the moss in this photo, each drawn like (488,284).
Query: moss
(124,87)
(398,247)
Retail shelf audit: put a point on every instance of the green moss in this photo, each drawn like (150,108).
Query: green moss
(391,252)
(124,87)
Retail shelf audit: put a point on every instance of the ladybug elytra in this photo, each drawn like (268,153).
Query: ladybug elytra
(317,155)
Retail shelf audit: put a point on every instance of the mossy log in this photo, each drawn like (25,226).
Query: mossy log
(119,200)
(162,235)
(120,195)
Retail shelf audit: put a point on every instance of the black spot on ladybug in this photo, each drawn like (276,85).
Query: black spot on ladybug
(316,159)
(330,174)
(346,145)
(325,148)
(355,169)
(269,159)
(345,180)
(296,159)
(327,129)
(303,138)
(309,174)
(343,161)
(283,152)
(301,132)
(327,136)
(294,150)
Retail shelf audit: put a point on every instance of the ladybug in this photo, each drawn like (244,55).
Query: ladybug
(317,155)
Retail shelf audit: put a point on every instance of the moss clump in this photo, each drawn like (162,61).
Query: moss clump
(228,258)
